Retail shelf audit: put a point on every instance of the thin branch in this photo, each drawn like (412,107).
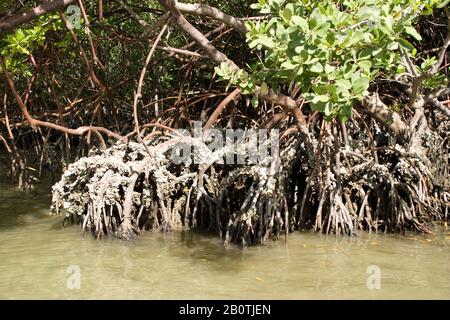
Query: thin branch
(213,118)
(180,51)
(438,93)
(200,9)
(83,54)
(20,18)
(196,35)
(138,94)
(34,122)
(438,105)
(88,33)
(417,81)
(219,57)
(147,27)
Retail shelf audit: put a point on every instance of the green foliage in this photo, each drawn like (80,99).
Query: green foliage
(436,80)
(16,47)
(333,49)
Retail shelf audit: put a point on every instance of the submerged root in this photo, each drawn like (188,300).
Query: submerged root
(120,191)
(333,179)
(367,184)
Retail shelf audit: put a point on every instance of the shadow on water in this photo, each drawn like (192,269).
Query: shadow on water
(20,208)
(206,249)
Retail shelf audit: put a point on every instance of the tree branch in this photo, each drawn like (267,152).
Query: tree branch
(34,122)
(218,57)
(147,27)
(44,8)
(200,9)
(197,36)
(377,109)
(417,81)
(438,93)
(138,93)
(438,105)
(215,115)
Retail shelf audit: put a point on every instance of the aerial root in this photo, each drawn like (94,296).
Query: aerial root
(333,179)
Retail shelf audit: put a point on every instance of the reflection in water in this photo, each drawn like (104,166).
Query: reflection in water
(35,253)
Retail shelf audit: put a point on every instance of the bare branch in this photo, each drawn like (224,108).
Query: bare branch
(197,36)
(180,51)
(377,109)
(34,122)
(200,9)
(215,115)
(219,57)
(438,105)
(44,8)
(438,93)
(148,28)
(138,93)
(417,81)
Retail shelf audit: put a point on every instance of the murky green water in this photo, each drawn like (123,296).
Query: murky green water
(35,253)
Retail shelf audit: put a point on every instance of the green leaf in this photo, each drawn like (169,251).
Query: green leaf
(316,68)
(365,54)
(413,32)
(287,13)
(405,44)
(264,88)
(329,69)
(218,71)
(20,35)
(360,85)
(320,98)
(345,112)
(253,43)
(343,84)
(331,39)
(23,50)
(442,4)
(388,24)
(255,102)
(327,110)
(288,65)
(400,69)
(301,22)
(365,65)
(266,41)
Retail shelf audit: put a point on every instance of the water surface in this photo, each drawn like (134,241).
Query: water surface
(36,252)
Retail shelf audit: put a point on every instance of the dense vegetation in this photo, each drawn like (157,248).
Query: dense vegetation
(358,89)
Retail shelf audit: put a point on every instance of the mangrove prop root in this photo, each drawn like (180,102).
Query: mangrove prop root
(333,179)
